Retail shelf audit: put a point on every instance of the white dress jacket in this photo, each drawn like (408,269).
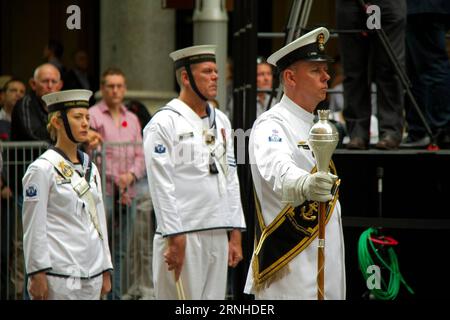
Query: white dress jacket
(186,196)
(59,236)
(276,163)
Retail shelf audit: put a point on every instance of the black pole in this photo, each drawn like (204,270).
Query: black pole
(244,114)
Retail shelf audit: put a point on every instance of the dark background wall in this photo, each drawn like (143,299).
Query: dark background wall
(27,25)
(413,210)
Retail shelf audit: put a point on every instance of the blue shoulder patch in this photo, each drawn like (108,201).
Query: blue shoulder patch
(274,137)
(159,148)
(31,192)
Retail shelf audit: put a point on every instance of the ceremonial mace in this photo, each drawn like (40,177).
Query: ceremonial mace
(323,139)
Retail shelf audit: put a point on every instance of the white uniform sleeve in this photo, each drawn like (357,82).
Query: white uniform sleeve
(158,152)
(273,157)
(36,188)
(107,264)
(233,190)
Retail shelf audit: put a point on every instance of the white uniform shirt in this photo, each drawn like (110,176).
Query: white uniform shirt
(186,196)
(276,163)
(59,235)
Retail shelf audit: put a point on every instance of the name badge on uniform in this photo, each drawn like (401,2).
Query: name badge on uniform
(187,135)
(303,144)
(60,181)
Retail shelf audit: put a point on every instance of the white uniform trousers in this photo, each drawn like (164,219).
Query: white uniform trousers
(60,288)
(204,273)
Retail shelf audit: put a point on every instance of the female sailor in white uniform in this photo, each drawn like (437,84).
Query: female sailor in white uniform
(65,237)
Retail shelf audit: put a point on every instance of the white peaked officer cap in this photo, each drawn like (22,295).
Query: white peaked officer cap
(310,47)
(63,100)
(192,55)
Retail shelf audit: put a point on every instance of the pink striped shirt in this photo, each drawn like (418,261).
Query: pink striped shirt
(119,159)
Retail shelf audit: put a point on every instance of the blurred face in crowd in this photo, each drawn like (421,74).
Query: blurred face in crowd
(307,83)
(113,89)
(47,79)
(205,75)
(264,76)
(13,93)
(81,60)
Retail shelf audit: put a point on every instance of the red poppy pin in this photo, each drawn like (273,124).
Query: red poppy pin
(124,123)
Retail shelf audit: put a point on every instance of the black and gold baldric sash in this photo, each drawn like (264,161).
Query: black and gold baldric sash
(286,236)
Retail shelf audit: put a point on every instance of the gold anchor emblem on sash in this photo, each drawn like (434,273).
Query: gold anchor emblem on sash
(66,170)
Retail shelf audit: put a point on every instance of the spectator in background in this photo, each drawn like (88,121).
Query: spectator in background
(428,67)
(336,104)
(364,57)
(53,53)
(13,91)
(123,166)
(78,77)
(3,80)
(264,79)
(141,112)
(29,117)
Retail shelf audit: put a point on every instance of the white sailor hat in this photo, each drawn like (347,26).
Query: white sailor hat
(310,46)
(67,99)
(194,54)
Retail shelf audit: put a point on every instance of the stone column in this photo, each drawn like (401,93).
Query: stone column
(210,27)
(137,37)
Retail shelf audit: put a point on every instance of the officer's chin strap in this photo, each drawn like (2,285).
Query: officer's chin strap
(192,82)
(67,126)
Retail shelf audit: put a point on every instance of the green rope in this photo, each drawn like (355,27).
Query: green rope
(366,251)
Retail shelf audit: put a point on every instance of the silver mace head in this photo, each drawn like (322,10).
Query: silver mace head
(323,139)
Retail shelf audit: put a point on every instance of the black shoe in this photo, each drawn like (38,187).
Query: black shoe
(356,143)
(411,142)
(388,143)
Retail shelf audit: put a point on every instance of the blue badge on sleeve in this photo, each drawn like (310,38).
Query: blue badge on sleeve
(274,137)
(31,192)
(159,148)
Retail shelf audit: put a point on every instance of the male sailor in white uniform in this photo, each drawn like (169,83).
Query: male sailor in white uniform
(65,236)
(193,180)
(284,263)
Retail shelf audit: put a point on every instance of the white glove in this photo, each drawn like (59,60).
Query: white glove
(317,186)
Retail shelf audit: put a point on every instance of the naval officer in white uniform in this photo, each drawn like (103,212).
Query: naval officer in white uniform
(284,263)
(65,236)
(193,180)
